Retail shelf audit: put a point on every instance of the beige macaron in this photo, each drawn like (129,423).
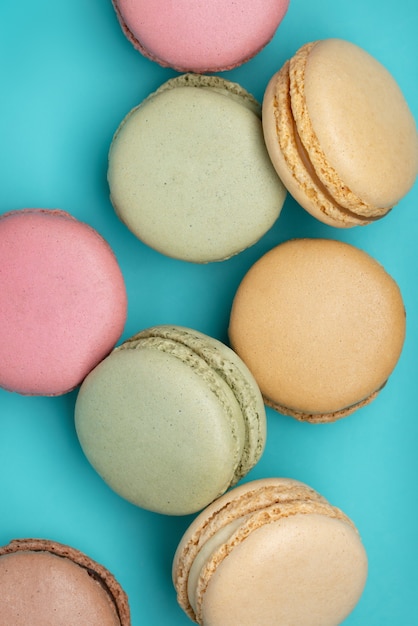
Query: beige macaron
(270,552)
(321,326)
(340,133)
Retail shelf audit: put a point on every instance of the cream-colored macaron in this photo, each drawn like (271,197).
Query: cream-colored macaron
(340,133)
(270,552)
(321,325)
(189,173)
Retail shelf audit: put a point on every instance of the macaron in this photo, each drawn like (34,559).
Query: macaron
(200,36)
(340,133)
(171,419)
(321,326)
(63,301)
(189,173)
(270,552)
(43,583)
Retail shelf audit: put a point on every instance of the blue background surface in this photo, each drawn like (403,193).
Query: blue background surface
(67,78)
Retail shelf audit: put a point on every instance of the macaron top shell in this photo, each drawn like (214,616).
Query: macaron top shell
(170,423)
(272,551)
(189,172)
(200,36)
(44,583)
(321,326)
(63,304)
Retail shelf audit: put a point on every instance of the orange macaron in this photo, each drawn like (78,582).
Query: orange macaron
(321,325)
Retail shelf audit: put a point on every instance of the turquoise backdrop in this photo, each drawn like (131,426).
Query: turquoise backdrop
(67,78)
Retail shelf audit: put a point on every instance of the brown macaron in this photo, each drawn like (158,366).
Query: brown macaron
(270,552)
(340,133)
(43,583)
(321,325)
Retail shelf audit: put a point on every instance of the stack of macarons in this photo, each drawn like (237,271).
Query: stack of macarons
(316,326)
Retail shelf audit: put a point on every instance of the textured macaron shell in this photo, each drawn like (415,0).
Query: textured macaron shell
(63,301)
(41,583)
(163,428)
(321,326)
(189,173)
(200,36)
(272,551)
(340,133)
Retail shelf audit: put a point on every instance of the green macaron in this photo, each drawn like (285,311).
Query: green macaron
(171,419)
(189,172)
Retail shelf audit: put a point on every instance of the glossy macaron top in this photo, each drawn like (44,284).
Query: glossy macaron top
(321,326)
(189,173)
(200,36)
(43,582)
(171,419)
(340,133)
(271,551)
(63,301)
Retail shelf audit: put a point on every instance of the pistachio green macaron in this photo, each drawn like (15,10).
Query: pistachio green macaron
(189,173)
(171,419)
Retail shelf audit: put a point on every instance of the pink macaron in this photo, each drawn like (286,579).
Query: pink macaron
(200,36)
(63,301)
